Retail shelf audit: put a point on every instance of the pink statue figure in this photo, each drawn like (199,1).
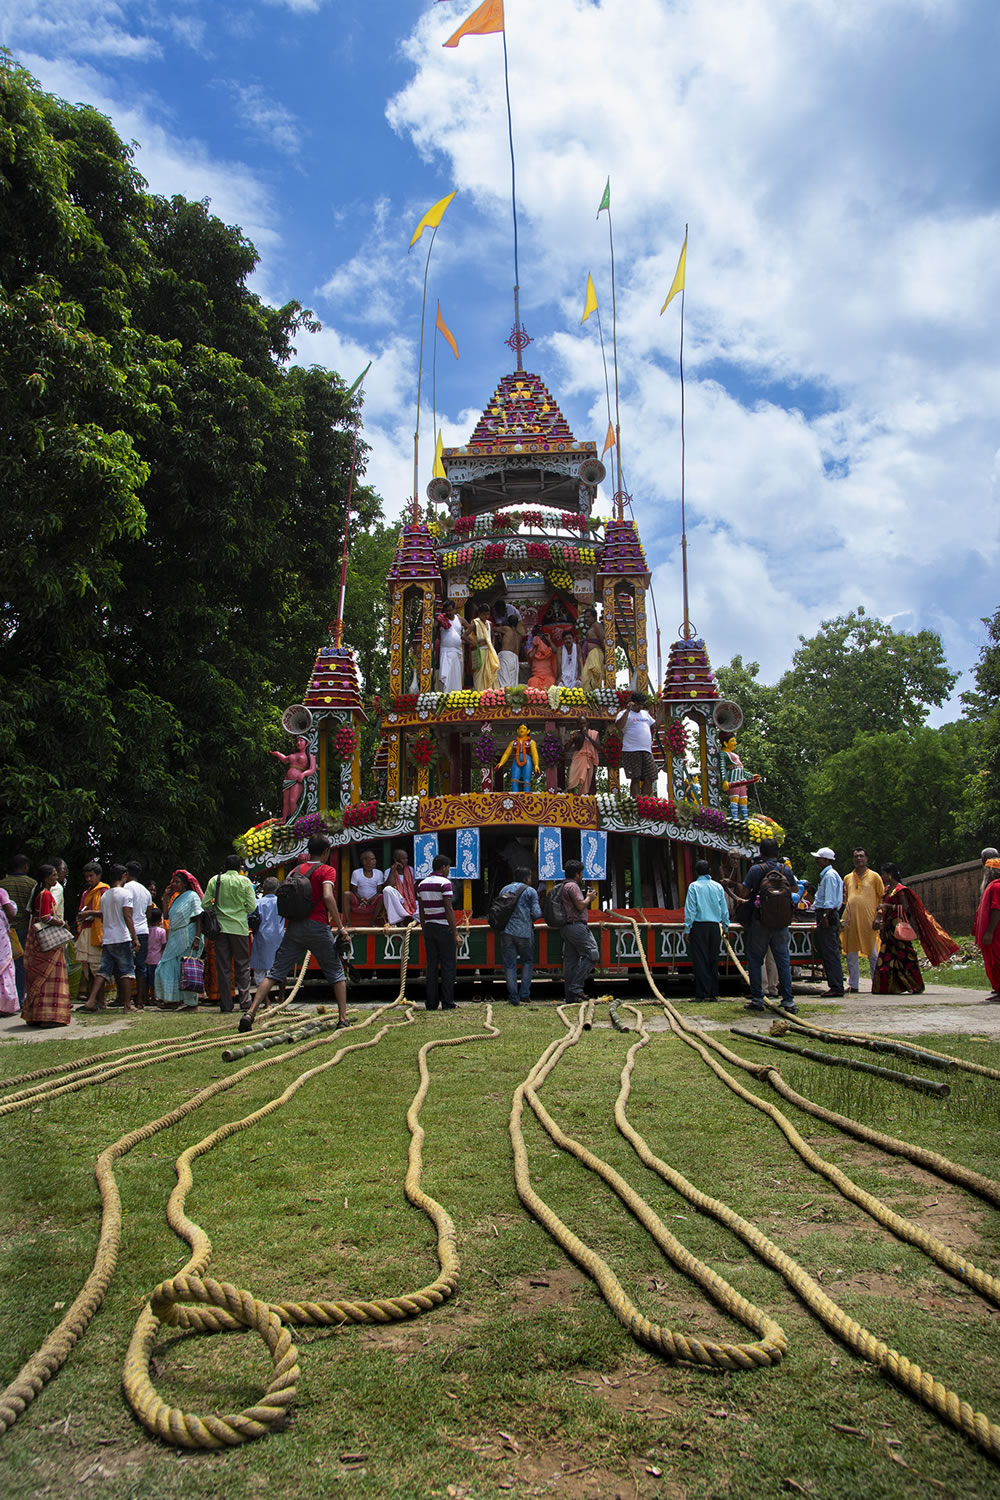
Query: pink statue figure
(300,765)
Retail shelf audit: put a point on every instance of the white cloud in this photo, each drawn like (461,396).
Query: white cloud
(94,28)
(267,117)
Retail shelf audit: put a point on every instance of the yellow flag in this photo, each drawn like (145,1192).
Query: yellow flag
(489,17)
(438,470)
(677,285)
(431,218)
(591,299)
(443,327)
(609,441)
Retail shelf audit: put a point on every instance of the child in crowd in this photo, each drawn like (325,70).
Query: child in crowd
(157,939)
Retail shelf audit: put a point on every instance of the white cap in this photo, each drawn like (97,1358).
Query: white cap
(825,853)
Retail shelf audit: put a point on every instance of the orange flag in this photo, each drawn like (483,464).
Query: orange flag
(609,441)
(442,325)
(489,17)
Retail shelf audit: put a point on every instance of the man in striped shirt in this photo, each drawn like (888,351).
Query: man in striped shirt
(441,937)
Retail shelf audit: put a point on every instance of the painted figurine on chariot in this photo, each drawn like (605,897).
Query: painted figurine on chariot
(450,668)
(580,778)
(543,662)
(592,674)
(736,780)
(485,662)
(299,766)
(522,752)
(512,633)
(569,660)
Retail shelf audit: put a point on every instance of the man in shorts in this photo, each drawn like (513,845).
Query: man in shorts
(637,745)
(120,943)
(311,934)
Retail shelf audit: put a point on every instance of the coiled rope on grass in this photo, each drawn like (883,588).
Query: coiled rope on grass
(189,1300)
(919,1383)
(771,1346)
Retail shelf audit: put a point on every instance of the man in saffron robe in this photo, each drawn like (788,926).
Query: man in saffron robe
(987,922)
(399,894)
(543,663)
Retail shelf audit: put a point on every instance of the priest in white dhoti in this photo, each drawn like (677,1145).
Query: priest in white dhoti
(450,660)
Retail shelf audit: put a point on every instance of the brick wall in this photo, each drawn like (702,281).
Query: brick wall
(951,895)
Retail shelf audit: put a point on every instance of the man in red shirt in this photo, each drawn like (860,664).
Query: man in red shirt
(311,935)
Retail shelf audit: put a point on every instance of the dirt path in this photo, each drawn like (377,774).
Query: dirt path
(942,1009)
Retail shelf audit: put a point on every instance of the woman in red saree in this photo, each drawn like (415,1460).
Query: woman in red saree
(897,971)
(47,1001)
(987,922)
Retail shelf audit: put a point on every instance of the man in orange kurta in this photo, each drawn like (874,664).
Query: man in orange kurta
(863,892)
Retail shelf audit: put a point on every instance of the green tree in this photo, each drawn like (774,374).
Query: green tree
(172,496)
(981,802)
(898,796)
(773,744)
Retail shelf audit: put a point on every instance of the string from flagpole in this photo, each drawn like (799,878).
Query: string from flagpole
(604,357)
(513,203)
(339,626)
(420,376)
(684,564)
(434,399)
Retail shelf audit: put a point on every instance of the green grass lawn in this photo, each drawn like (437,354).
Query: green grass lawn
(524,1384)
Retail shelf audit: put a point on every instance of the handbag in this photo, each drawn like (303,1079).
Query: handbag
(210,924)
(49,935)
(192,974)
(904,933)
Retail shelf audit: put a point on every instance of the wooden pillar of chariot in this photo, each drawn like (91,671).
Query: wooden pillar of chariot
(415,586)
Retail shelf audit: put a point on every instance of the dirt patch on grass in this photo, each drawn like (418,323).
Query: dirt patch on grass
(530,1465)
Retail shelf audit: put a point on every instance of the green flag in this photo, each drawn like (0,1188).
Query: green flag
(606,199)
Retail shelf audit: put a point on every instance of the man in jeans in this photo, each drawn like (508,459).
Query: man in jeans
(311,935)
(829,900)
(580,952)
(435,899)
(760,938)
(234,899)
(141,902)
(517,940)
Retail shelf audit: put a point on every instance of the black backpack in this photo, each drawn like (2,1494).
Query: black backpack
(774,899)
(295,894)
(502,909)
(554,907)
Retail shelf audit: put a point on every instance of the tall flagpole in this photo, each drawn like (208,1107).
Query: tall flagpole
(604,357)
(338,629)
(684,559)
(614,347)
(420,370)
(513,203)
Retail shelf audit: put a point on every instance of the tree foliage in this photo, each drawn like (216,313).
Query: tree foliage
(981,812)
(856,696)
(173,502)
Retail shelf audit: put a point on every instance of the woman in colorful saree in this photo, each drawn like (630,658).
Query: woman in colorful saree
(897,971)
(47,1002)
(184,937)
(987,922)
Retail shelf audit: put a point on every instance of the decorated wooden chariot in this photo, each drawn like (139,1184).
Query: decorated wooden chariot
(510,525)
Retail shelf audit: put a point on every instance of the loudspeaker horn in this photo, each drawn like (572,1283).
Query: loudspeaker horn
(297,719)
(592,472)
(439,490)
(728,716)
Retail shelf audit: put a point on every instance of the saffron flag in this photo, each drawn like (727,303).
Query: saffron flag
(609,441)
(438,470)
(677,285)
(591,299)
(488,18)
(432,218)
(442,325)
(605,199)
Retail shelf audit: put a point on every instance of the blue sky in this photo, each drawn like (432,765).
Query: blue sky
(836,161)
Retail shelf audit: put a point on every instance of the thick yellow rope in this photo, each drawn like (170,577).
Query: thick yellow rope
(904,1372)
(867,1036)
(189,1300)
(772,1344)
(55,1350)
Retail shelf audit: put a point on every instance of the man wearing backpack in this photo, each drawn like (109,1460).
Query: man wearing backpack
(580,952)
(517,937)
(770,885)
(310,933)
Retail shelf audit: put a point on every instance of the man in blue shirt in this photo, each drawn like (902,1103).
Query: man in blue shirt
(706,917)
(829,900)
(517,941)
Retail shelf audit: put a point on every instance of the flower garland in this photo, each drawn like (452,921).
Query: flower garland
(423,750)
(611,749)
(345,742)
(486,749)
(559,579)
(550,749)
(677,737)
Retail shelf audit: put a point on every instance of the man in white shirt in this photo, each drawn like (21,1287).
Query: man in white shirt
(363,902)
(120,943)
(141,902)
(637,745)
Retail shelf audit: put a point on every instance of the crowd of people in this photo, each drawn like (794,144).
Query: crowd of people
(231,945)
